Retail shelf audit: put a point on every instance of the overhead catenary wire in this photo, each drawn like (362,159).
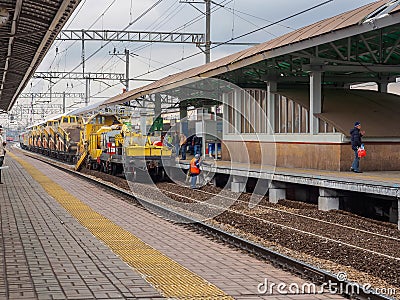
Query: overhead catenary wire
(189,23)
(240,36)
(69,24)
(250,15)
(160,22)
(130,23)
(248,33)
(277,22)
(93,23)
(213,47)
(126,27)
(138,18)
(250,22)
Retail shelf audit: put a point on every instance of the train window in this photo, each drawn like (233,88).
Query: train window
(65,120)
(73,120)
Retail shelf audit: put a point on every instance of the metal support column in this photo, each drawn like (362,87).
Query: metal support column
(271,89)
(87,94)
(83,53)
(127,69)
(183,119)
(208,31)
(63,109)
(315,100)
(31,117)
(157,106)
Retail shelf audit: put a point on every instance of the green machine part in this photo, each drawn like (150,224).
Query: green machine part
(157,125)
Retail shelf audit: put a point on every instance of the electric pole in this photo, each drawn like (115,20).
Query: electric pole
(126,53)
(207,45)
(208,31)
(63,103)
(127,69)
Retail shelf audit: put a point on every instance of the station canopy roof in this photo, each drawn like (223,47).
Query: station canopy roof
(27,30)
(361,45)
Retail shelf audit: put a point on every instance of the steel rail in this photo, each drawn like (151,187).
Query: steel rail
(288,227)
(306,217)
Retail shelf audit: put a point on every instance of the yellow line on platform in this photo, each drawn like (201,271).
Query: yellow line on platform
(170,278)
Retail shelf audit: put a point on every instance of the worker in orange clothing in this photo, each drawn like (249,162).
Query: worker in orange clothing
(194,170)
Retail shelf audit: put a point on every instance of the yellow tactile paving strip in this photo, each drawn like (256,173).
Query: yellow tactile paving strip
(166,275)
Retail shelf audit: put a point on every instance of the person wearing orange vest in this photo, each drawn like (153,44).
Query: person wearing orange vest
(194,170)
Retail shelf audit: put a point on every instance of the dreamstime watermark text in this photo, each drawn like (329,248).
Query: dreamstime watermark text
(341,287)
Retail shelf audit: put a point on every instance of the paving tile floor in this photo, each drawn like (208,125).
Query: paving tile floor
(46,254)
(233,271)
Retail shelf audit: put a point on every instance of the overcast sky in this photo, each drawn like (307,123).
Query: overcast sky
(229,19)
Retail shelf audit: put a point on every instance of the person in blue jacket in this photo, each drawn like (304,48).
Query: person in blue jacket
(356,142)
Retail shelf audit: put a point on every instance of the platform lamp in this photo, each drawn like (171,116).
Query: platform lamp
(4,16)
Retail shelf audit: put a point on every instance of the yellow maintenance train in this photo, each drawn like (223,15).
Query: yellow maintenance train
(103,142)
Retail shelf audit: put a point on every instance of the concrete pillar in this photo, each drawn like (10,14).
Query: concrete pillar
(183,118)
(276,192)
(271,89)
(238,184)
(315,100)
(328,199)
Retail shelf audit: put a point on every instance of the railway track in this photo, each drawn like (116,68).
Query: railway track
(321,237)
(283,261)
(281,211)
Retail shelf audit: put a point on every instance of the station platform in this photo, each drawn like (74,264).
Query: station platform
(383,183)
(63,238)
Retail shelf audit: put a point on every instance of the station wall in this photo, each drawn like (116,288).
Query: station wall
(246,139)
